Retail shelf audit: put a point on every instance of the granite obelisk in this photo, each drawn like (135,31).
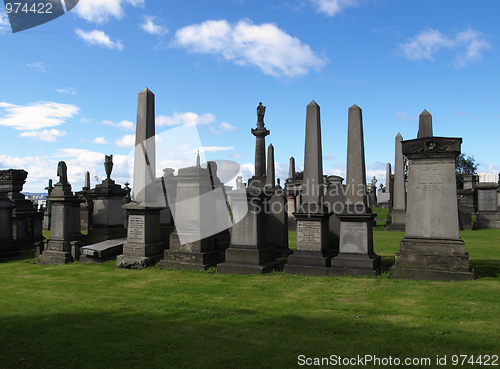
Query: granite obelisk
(144,244)
(398,210)
(314,251)
(356,256)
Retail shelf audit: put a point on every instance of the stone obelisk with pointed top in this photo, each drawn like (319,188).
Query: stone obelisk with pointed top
(432,248)
(314,251)
(144,244)
(398,210)
(356,256)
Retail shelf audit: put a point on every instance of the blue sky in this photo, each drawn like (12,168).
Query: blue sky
(69,87)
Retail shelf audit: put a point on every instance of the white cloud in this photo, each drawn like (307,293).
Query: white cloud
(38,115)
(4,23)
(39,66)
(333,7)
(100,140)
(99,38)
(48,135)
(227,127)
(99,11)
(429,42)
(124,124)
(149,26)
(265,46)
(69,91)
(126,141)
(187,118)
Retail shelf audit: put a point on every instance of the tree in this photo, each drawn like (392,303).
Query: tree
(464,166)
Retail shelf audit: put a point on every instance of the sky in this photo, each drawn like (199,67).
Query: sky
(69,87)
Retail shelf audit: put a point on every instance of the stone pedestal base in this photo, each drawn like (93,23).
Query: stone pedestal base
(355,265)
(432,259)
(53,257)
(196,255)
(487,219)
(398,220)
(314,249)
(240,260)
(144,246)
(8,250)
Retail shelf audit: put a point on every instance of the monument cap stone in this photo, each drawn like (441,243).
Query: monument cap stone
(424,125)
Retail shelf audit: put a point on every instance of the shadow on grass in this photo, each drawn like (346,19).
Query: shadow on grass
(185,337)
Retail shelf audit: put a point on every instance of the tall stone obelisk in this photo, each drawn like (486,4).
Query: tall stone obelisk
(398,210)
(432,248)
(144,244)
(356,256)
(314,251)
(260,133)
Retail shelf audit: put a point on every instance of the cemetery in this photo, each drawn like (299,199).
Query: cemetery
(185,271)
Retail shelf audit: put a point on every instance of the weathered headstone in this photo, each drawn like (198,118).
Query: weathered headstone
(8,247)
(432,248)
(107,216)
(144,244)
(61,248)
(488,215)
(249,251)
(356,256)
(314,250)
(398,210)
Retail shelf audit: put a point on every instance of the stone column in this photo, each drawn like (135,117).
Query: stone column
(432,248)
(144,244)
(356,256)
(398,211)
(314,250)
(260,134)
(61,247)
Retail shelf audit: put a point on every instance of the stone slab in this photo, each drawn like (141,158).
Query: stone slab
(104,249)
(429,275)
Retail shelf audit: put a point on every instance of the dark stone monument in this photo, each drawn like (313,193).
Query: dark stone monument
(356,256)
(398,209)
(61,248)
(314,250)
(144,246)
(335,202)
(488,215)
(48,209)
(8,247)
(107,198)
(432,248)
(249,251)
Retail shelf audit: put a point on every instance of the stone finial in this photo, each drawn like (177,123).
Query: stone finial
(108,165)
(62,172)
(424,125)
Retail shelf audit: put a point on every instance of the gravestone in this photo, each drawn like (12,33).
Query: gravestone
(166,185)
(249,251)
(356,256)
(47,213)
(398,210)
(277,217)
(107,216)
(86,207)
(314,250)
(488,215)
(8,247)
(144,246)
(292,193)
(192,245)
(335,202)
(102,251)
(432,248)
(61,248)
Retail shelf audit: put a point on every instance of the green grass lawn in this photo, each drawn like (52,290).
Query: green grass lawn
(99,316)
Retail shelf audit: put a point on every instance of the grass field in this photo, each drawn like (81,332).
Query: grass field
(99,316)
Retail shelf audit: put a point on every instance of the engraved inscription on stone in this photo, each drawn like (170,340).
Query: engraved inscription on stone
(135,228)
(429,179)
(309,232)
(354,237)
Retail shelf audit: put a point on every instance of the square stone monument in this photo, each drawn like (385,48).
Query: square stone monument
(432,248)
